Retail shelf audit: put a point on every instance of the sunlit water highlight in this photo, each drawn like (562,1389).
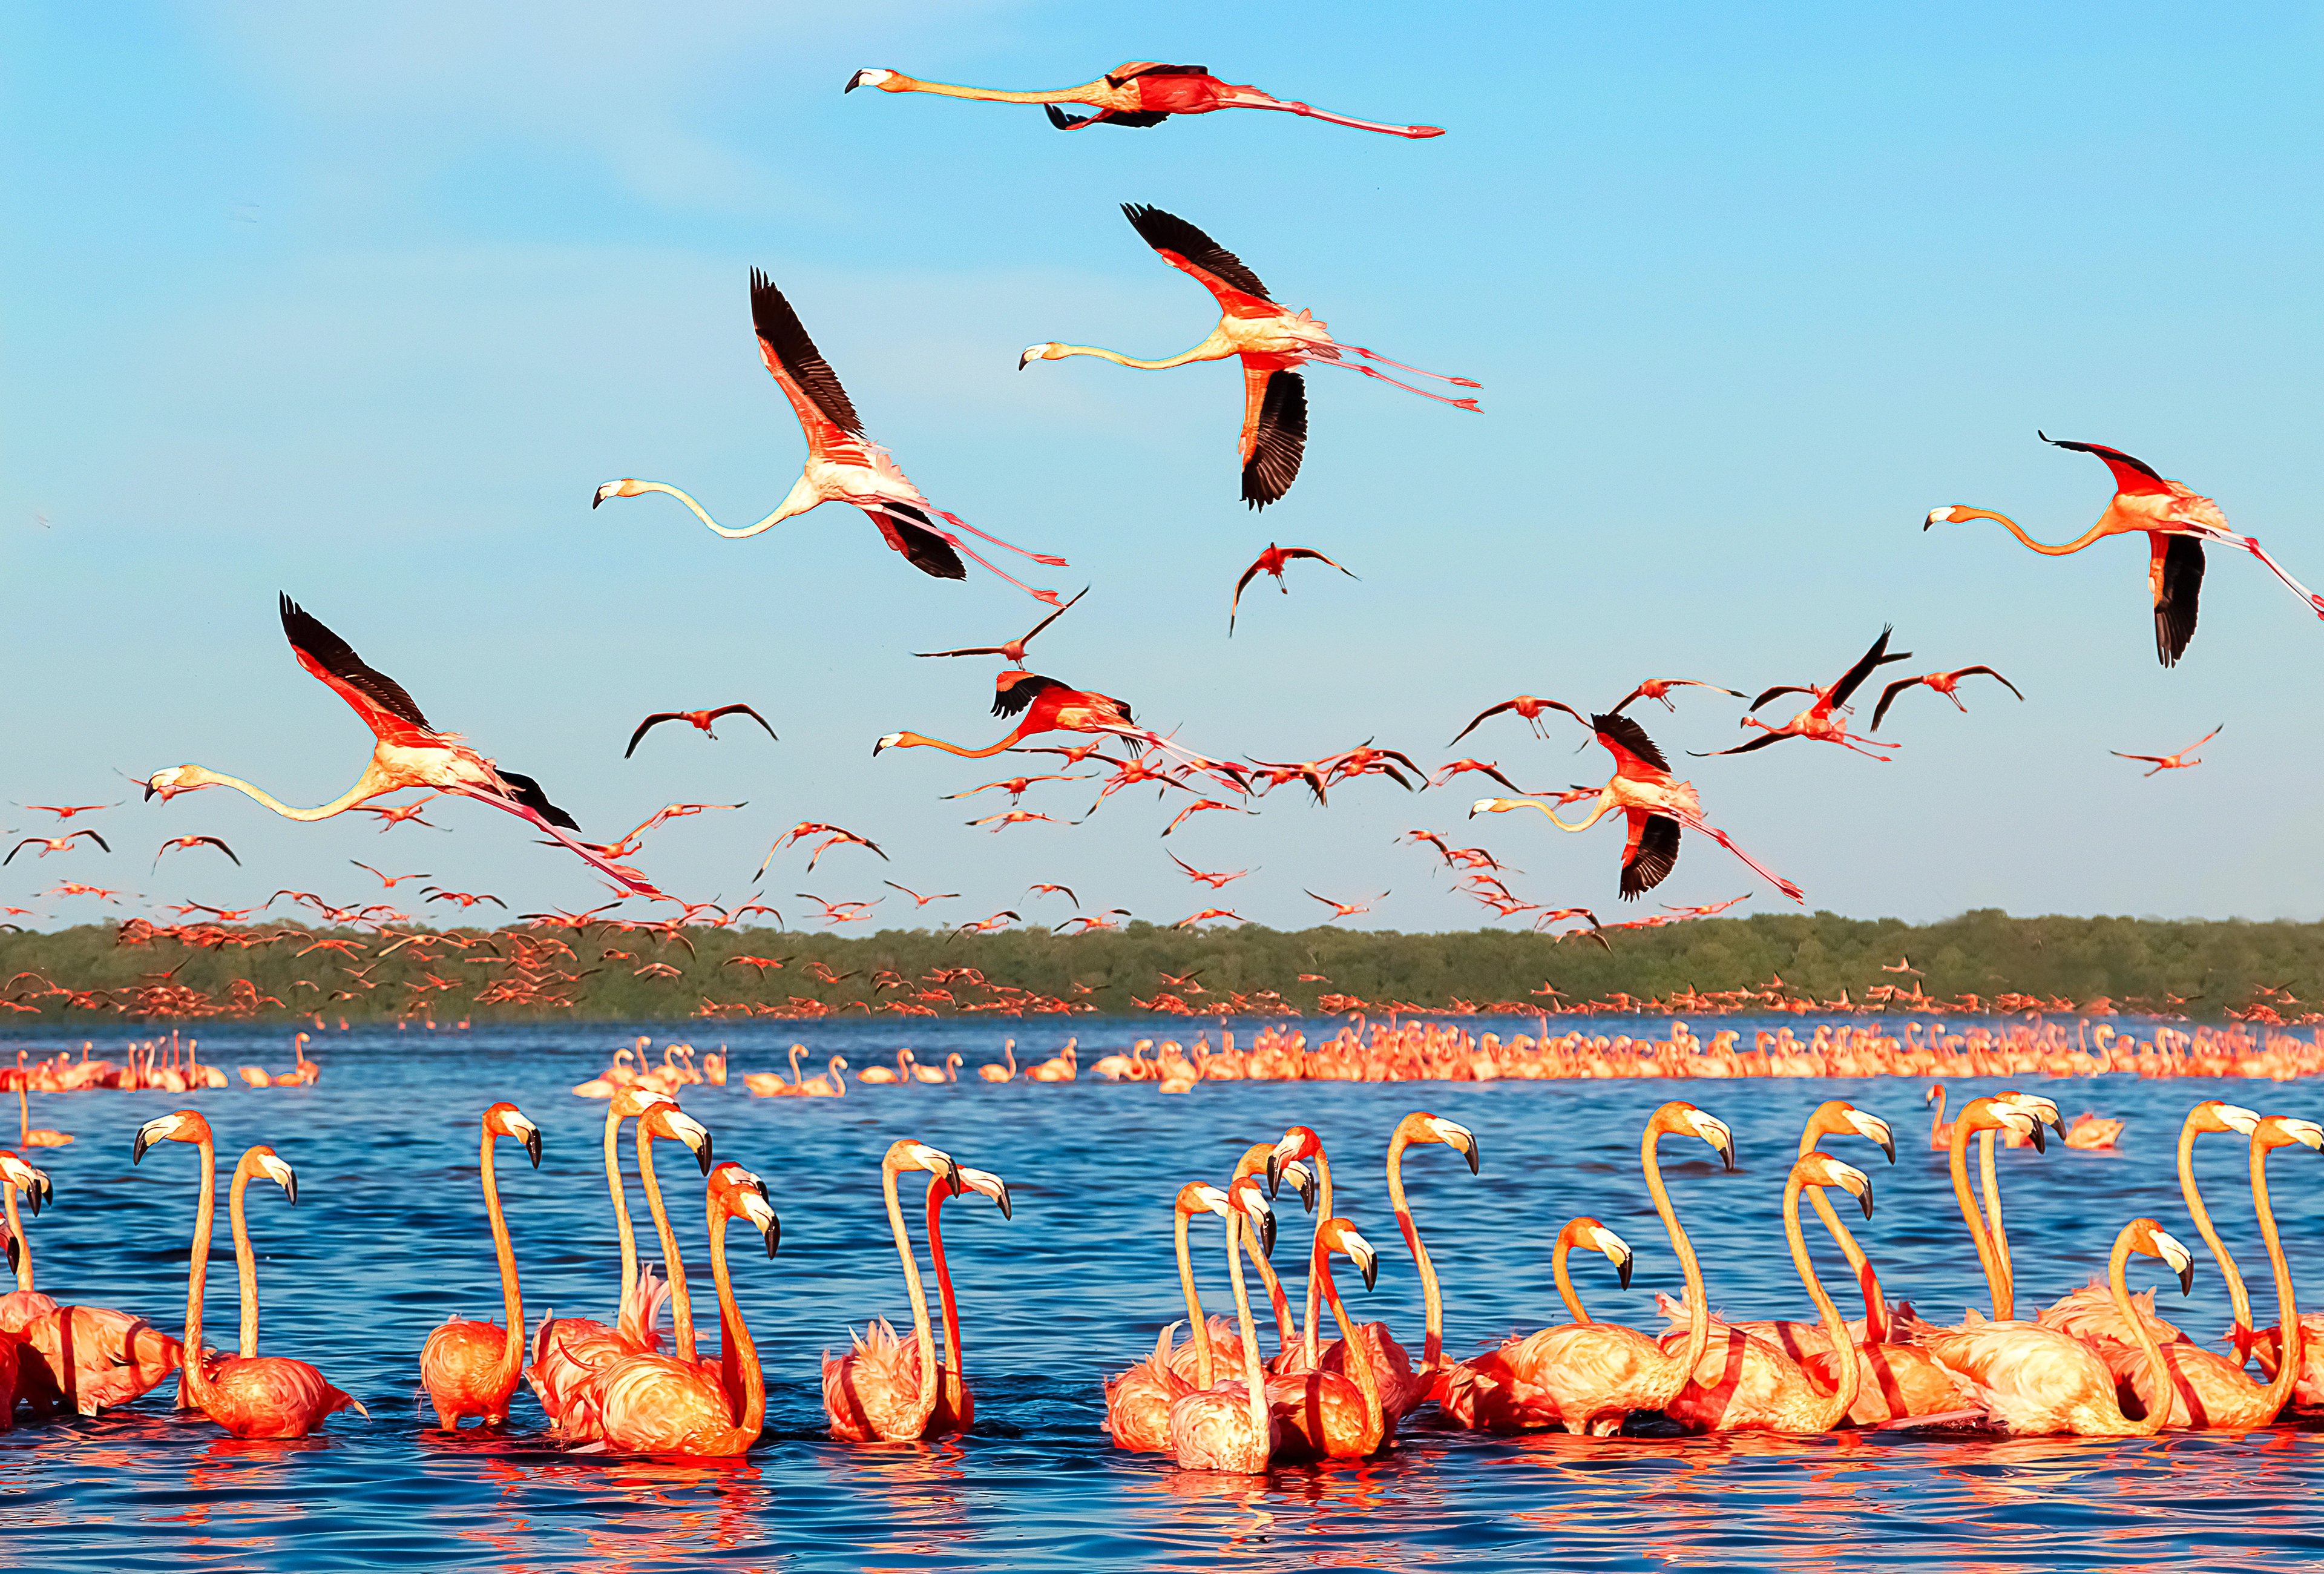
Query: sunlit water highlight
(388,1237)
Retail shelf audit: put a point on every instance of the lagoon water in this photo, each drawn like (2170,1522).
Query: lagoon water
(388,1237)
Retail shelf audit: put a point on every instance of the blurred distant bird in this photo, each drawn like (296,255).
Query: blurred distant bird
(918,899)
(1820,720)
(466,899)
(1000,822)
(1215,879)
(2176,523)
(66,810)
(1524,705)
(389,882)
(395,814)
(1065,891)
(1493,770)
(1136,93)
(187,843)
(843,465)
(1014,650)
(1016,787)
(2178,762)
(1048,706)
(57,844)
(1271,562)
(1270,339)
(1340,909)
(1660,688)
(700,718)
(1943,683)
(1206,915)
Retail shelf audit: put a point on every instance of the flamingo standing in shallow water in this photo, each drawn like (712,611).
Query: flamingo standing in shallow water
(843,465)
(1269,340)
(955,1410)
(2176,523)
(409,753)
(1136,93)
(1230,1427)
(249,1395)
(470,1367)
(84,1359)
(874,1393)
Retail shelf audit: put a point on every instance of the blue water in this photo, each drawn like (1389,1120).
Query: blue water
(388,1237)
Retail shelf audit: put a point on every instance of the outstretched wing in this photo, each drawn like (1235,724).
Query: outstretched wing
(1013,692)
(1761,742)
(1274,434)
(647,726)
(528,793)
(2175,575)
(378,699)
(1235,603)
(1770,694)
(2135,476)
(744,710)
(1189,250)
(1878,656)
(1130,117)
(1651,854)
(915,534)
(794,361)
(1888,696)
(1312,552)
(1990,672)
(1634,755)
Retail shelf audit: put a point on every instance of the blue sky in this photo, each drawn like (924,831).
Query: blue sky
(361,303)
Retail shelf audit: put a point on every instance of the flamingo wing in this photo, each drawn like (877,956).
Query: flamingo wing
(912,532)
(1130,117)
(2175,575)
(2133,477)
(1013,692)
(1274,433)
(1651,854)
(1634,755)
(2151,759)
(378,699)
(1779,688)
(526,791)
(1888,696)
(1190,251)
(792,359)
(1046,621)
(92,835)
(1990,672)
(1853,679)
(1242,584)
(744,710)
(647,725)
(970,651)
(1312,552)
(221,846)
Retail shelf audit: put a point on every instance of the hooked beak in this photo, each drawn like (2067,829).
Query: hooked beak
(144,1141)
(595,499)
(1302,1183)
(1370,1264)
(2041,1143)
(1622,1272)
(2187,1279)
(1469,1151)
(853,82)
(1274,1174)
(532,1146)
(43,1191)
(1022,358)
(1866,1199)
(1266,1232)
(149,788)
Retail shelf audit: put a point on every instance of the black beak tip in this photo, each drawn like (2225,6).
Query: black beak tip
(1867,1201)
(2040,1142)
(1274,1175)
(149,791)
(702,1158)
(1469,1153)
(1267,1234)
(1371,1272)
(290,1190)
(1022,359)
(532,1147)
(1727,1157)
(774,1235)
(1622,1272)
(1002,1199)
(595,499)
(2187,1280)
(137,1149)
(1888,1146)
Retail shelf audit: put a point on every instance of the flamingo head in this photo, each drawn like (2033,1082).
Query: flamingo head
(1845,1119)
(1680,1117)
(1590,1233)
(276,1171)
(870,77)
(1244,1197)
(2212,1116)
(1301,1180)
(185,1125)
(1052,351)
(904,1153)
(1298,1142)
(2277,1130)
(743,1196)
(504,1119)
(1453,1134)
(1337,1234)
(1821,1169)
(34,1183)
(1489,806)
(1952,514)
(626,487)
(167,784)
(2042,1109)
(890,741)
(985,1183)
(2147,1236)
(667,1120)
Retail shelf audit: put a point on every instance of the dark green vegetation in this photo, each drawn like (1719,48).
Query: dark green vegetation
(613,974)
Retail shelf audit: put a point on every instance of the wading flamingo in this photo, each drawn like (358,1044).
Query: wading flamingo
(1407,1389)
(1138,1402)
(409,753)
(1271,562)
(771,1084)
(1941,1130)
(833,1083)
(1136,93)
(1230,1427)
(23,1304)
(997,1073)
(700,718)
(2212,1116)
(82,1358)
(2178,762)
(1013,652)
(1821,720)
(470,1367)
(1589,1377)
(1943,683)
(1269,338)
(1327,1414)
(1656,804)
(249,1395)
(843,465)
(2176,523)
(1479,1393)
(874,1393)
(955,1410)
(665,1407)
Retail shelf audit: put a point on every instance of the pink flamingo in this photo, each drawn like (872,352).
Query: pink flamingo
(21,1305)
(874,1394)
(470,1367)
(86,1357)
(1406,1389)
(832,1084)
(955,1409)
(1230,1427)
(1326,1415)
(1136,93)
(249,1395)
(1138,1400)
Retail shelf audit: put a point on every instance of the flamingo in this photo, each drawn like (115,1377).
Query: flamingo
(771,1084)
(955,1408)
(1230,1427)
(1819,720)
(877,1074)
(1138,1402)
(1587,1376)
(1656,804)
(1270,339)
(409,753)
(249,1395)
(2176,523)
(1008,1073)
(59,845)
(2212,1116)
(2090,1132)
(874,1394)
(832,1084)
(1941,1130)
(950,1072)
(2178,762)
(667,1407)
(1478,1393)
(668,1122)
(470,1367)
(1325,1414)
(23,1304)
(1943,683)
(1011,651)
(1271,562)
(187,843)
(1526,706)
(1136,93)
(700,718)
(1048,706)
(843,465)
(1409,1389)
(1660,688)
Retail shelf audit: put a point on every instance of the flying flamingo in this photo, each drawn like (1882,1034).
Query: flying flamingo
(1340,909)
(874,1393)
(2178,762)
(2176,523)
(663,1406)
(1012,651)
(409,753)
(470,1367)
(249,1395)
(1048,706)
(186,843)
(395,814)
(1660,688)
(1270,339)
(843,465)
(1821,721)
(60,844)
(1271,562)
(1656,804)
(66,810)
(700,718)
(1526,706)
(919,900)
(1230,1427)
(1943,683)
(1136,93)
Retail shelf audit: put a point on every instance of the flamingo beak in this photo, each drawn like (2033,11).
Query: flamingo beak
(44,1193)
(2187,1279)
(1866,1199)
(14,1252)
(1622,1270)
(2040,1145)
(1302,1183)
(1266,1232)
(532,1145)
(150,791)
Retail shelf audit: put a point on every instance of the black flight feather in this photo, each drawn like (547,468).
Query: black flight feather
(780,327)
(1166,232)
(529,793)
(1631,736)
(2174,609)
(1020,694)
(305,633)
(1656,855)
(1280,442)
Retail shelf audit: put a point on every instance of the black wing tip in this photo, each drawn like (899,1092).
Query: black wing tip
(1627,732)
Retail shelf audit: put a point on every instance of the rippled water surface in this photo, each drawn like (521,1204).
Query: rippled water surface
(388,1237)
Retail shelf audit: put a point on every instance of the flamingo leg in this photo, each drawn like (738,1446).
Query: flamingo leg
(1424,393)
(1049,596)
(1292,107)
(1042,558)
(2251,544)
(1715,834)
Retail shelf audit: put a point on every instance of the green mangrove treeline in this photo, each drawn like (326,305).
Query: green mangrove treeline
(615,975)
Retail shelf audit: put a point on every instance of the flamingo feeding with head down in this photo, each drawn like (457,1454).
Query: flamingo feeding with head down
(1270,339)
(1136,93)
(470,1367)
(2176,523)
(249,1395)
(843,465)
(409,753)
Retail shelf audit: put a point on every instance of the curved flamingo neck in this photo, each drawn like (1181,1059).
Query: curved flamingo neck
(2289,1362)
(1196,1323)
(912,740)
(681,1300)
(838,1080)
(1358,1362)
(1260,1445)
(245,1259)
(193,1374)
(740,1352)
(1319,1272)
(1875,1307)
(622,1226)
(937,1192)
(511,1361)
(2006,1307)
(1843,1348)
(24,1245)
(925,1404)
(1564,1277)
(796,1050)
(1969,1212)
(371,785)
(2096,532)
(2117,1266)
(1432,1299)
(792,507)
(2236,1291)
(1698,1309)
(1938,1119)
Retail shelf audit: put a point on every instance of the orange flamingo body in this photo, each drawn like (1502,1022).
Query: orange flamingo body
(470,1367)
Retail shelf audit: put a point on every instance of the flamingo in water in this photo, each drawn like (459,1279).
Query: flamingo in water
(1138,1402)
(85,1358)
(470,1367)
(249,1395)
(874,1393)
(843,465)
(1270,339)
(2176,523)
(409,753)
(1136,93)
